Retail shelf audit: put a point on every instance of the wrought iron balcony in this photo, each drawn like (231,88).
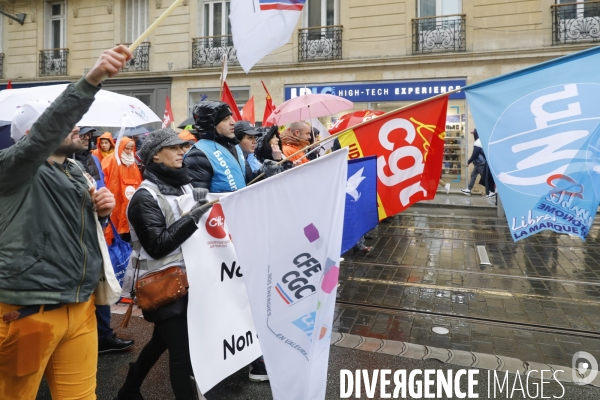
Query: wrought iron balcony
(576,22)
(320,43)
(53,62)
(1,65)
(441,34)
(208,51)
(141,58)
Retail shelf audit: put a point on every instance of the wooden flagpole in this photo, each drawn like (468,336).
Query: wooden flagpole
(154,25)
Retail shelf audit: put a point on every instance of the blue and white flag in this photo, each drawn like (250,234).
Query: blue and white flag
(539,130)
(361,200)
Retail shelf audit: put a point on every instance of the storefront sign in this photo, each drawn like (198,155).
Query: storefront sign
(384,91)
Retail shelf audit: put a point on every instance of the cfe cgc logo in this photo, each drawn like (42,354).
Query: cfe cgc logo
(215,223)
(303,280)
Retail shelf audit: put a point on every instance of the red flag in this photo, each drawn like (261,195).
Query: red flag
(409,145)
(9,85)
(227,97)
(269,107)
(168,117)
(248,111)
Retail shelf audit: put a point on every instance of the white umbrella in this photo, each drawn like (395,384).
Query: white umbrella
(108,108)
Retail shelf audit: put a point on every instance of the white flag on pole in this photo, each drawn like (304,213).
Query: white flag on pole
(220,326)
(290,253)
(223,76)
(261,26)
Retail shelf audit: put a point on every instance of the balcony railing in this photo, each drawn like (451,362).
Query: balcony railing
(53,62)
(445,33)
(141,58)
(208,51)
(576,22)
(1,65)
(320,43)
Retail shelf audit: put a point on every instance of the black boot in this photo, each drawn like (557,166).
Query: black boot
(131,388)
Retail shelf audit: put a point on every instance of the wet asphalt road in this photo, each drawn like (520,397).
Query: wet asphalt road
(539,300)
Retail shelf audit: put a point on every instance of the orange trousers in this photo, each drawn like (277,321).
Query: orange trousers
(61,344)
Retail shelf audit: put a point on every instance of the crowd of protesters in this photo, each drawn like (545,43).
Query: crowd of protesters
(54,223)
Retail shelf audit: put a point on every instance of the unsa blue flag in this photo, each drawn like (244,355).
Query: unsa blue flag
(539,130)
(361,201)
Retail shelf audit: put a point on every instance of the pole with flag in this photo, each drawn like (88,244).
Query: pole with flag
(409,145)
(227,97)
(247,112)
(223,75)
(269,107)
(540,130)
(294,321)
(168,117)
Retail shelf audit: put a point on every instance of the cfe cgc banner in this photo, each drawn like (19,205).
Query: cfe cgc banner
(221,331)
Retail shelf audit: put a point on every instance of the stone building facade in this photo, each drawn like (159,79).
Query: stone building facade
(381,54)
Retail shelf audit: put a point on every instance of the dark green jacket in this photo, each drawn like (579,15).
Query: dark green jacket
(49,251)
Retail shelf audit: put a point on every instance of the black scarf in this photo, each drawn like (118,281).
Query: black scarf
(175,177)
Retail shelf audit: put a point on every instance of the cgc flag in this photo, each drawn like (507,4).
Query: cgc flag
(540,132)
(361,201)
(260,26)
(409,145)
(290,254)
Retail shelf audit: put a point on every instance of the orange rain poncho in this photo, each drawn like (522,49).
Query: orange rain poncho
(98,152)
(122,181)
(186,135)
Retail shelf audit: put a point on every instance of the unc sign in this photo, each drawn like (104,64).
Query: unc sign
(547,140)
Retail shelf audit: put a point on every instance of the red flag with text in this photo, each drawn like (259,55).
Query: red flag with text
(269,107)
(248,111)
(228,98)
(409,145)
(168,117)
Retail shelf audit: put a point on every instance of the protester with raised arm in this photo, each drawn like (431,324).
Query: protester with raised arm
(50,258)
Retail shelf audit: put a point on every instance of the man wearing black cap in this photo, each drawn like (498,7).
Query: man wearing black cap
(248,136)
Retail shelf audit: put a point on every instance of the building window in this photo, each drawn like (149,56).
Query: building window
(216,18)
(576,21)
(240,94)
(440,27)
(438,8)
(136,19)
(321,13)
(55,22)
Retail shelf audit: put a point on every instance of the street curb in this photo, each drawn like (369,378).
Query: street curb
(456,357)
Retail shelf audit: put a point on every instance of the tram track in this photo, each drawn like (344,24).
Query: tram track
(479,320)
(472,272)
(473,235)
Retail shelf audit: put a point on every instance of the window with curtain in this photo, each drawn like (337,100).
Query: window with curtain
(136,19)
(55,23)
